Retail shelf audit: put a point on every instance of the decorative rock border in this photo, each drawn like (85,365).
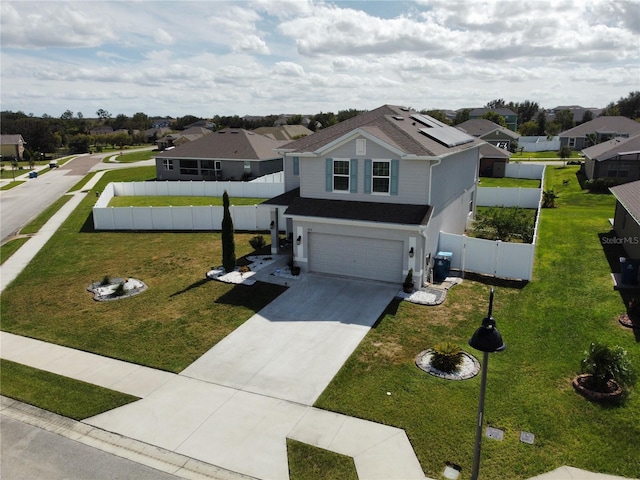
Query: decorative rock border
(106,293)
(469,367)
(613,396)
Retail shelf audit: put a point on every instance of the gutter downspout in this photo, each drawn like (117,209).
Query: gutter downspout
(437,162)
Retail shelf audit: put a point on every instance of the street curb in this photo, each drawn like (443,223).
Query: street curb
(152,456)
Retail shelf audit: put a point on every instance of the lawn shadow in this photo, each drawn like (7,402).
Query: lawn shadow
(197,284)
(391,309)
(254,297)
(613,251)
(87,226)
(496,282)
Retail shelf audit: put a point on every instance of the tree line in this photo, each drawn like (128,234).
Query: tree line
(71,132)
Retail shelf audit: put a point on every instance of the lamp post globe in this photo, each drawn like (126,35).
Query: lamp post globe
(486,339)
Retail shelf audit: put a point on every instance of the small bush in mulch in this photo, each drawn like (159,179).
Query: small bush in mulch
(446,357)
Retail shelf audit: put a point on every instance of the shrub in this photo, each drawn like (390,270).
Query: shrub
(504,223)
(446,357)
(228,242)
(601,185)
(549,199)
(607,363)
(119,291)
(257,242)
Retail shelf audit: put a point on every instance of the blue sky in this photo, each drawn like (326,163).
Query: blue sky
(300,56)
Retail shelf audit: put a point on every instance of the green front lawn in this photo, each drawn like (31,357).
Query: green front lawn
(508,182)
(136,156)
(546,154)
(61,395)
(547,324)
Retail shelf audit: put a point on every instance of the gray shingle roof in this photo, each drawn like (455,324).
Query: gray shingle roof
(491,151)
(628,194)
(229,143)
(391,124)
(604,124)
(481,126)
(612,148)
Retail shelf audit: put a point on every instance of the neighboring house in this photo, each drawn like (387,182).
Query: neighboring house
(101,130)
(162,123)
(493,160)
(368,197)
(510,117)
(228,154)
(12,147)
(284,132)
(626,222)
(618,158)
(597,131)
(152,134)
(577,110)
(185,136)
(490,132)
(207,124)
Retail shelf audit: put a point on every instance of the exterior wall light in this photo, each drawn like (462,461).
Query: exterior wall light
(411,252)
(299,239)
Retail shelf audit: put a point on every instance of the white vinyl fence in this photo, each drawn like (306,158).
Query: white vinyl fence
(493,257)
(249,218)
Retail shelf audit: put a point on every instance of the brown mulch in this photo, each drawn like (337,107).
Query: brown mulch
(629,322)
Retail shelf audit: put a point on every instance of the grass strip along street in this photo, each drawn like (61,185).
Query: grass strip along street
(547,325)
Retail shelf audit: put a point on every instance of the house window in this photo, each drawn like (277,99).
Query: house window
(188,167)
(572,142)
(167,164)
(341,175)
(380,178)
(361,146)
(247,166)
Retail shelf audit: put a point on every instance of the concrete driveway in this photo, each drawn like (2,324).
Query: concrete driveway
(292,348)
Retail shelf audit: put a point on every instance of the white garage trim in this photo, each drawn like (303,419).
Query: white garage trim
(360,257)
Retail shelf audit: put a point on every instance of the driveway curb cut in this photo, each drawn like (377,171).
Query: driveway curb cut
(134,450)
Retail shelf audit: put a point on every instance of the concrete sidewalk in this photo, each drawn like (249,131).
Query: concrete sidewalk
(218,425)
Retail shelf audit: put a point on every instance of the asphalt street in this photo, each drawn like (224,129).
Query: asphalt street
(18,206)
(29,452)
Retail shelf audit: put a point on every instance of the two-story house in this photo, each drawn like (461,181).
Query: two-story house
(368,197)
(12,147)
(510,117)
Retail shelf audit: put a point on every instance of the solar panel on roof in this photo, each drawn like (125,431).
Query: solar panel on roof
(428,121)
(448,136)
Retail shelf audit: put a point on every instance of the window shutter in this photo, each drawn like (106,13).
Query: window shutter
(367,175)
(353,176)
(329,174)
(296,165)
(395,166)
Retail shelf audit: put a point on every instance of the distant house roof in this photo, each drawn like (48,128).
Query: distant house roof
(578,111)
(101,130)
(228,144)
(401,128)
(11,139)
(478,127)
(616,124)
(628,194)
(615,147)
(478,112)
(284,132)
(491,151)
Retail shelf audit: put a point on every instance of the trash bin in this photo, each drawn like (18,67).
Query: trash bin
(629,271)
(33,174)
(442,265)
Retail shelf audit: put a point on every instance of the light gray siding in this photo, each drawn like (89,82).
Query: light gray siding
(627,232)
(453,176)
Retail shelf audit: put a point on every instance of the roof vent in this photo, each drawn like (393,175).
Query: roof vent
(398,117)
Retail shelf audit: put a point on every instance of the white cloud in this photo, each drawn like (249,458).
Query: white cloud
(163,37)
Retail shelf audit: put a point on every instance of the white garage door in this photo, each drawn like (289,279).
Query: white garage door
(360,257)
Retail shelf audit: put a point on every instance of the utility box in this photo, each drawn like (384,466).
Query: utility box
(442,265)
(629,271)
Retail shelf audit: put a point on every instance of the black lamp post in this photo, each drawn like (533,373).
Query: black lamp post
(487,339)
